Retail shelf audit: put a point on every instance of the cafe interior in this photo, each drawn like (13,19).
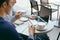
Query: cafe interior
(45,18)
(47,12)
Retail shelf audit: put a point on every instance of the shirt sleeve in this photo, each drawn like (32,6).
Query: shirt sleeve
(13,34)
(12,19)
(31,37)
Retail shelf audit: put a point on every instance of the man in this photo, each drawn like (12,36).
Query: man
(10,17)
(13,16)
(7,30)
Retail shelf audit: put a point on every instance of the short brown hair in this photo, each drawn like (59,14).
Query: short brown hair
(2,1)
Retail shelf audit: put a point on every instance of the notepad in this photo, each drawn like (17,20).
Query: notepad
(18,22)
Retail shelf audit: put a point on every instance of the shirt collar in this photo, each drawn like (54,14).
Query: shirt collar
(1,19)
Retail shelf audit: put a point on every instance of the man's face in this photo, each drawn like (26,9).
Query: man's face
(9,6)
(14,2)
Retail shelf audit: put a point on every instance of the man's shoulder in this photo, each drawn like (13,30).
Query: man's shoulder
(5,24)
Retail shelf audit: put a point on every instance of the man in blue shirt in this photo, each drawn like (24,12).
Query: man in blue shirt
(7,30)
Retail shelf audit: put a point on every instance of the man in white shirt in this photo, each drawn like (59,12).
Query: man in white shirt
(10,17)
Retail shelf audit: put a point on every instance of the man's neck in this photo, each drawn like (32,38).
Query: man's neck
(2,14)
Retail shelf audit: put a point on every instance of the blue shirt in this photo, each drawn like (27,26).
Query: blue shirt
(8,32)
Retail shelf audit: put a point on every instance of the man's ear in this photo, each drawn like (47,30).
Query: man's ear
(4,5)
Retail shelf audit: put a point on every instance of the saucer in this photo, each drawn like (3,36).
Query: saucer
(23,19)
(40,26)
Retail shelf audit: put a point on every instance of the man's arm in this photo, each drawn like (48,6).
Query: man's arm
(16,16)
(13,34)
(32,31)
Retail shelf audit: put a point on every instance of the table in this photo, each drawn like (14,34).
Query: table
(25,30)
(48,27)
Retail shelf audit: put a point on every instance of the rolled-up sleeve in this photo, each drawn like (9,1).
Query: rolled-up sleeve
(12,19)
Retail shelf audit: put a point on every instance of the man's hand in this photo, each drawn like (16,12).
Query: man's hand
(32,30)
(32,17)
(18,15)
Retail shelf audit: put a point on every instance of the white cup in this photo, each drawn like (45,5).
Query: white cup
(40,26)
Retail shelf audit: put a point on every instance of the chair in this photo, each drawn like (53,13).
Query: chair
(43,8)
(45,3)
(34,5)
(45,13)
(58,36)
